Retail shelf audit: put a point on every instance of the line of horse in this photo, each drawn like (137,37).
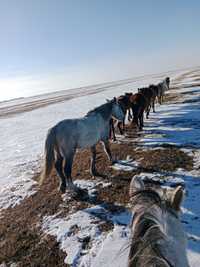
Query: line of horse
(157,238)
(136,104)
(97,125)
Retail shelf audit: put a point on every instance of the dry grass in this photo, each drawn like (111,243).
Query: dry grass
(21,237)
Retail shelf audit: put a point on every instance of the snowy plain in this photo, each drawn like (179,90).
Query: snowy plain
(22,135)
(172,124)
(21,146)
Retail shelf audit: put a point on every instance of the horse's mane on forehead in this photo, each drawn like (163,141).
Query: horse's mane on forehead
(146,195)
(145,199)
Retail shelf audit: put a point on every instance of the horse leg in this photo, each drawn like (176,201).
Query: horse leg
(119,127)
(59,169)
(93,161)
(107,150)
(68,169)
(135,119)
(153,105)
(93,170)
(129,115)
(159,99)
(112,130)
(147,112)
(141,121)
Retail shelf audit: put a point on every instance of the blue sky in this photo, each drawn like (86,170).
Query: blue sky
(57,44)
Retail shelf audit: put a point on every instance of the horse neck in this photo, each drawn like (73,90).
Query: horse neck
(104,111)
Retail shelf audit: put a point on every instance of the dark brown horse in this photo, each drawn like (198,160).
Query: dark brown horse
(149,94)
(125,105)
(138,105)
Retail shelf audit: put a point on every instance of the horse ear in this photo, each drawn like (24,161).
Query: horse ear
(136,185)
(177,198)
(107,100)
(115,99)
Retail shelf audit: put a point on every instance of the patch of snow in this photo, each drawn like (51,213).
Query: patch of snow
(13,195)
(125,165)
(23,135)
(83,226)
(114,251)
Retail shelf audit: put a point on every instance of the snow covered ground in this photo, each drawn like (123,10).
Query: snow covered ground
(177,124)
(21,145)
(22,135)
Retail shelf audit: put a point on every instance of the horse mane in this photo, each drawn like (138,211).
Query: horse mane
(124,101)
(152,86)
(104,110)
(147,231)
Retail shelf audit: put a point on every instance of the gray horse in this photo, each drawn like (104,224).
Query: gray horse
(158,238)
(65,137)
(162,87)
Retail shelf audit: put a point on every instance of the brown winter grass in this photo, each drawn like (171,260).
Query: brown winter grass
(21,239)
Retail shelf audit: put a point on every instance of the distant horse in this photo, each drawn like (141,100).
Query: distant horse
(162,87)
(157,238)
(125,105)
(138,105)
(154,89)
(149,94)
(68,135)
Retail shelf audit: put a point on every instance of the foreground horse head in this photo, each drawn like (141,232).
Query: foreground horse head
(158,238)
(65,137)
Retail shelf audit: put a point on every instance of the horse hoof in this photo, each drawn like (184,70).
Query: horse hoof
(80,193)
(62,189)
(113,162)
(94,174)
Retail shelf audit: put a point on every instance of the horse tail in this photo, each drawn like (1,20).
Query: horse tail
(49,154)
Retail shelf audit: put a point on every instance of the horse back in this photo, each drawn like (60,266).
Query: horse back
(138,100)
(124,102)
(155,90)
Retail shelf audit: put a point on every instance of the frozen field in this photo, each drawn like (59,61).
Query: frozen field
(176,123)
(22,134)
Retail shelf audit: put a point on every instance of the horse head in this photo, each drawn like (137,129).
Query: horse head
(157,231)
(117,111)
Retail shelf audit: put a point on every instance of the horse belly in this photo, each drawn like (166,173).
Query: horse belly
(89,135)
